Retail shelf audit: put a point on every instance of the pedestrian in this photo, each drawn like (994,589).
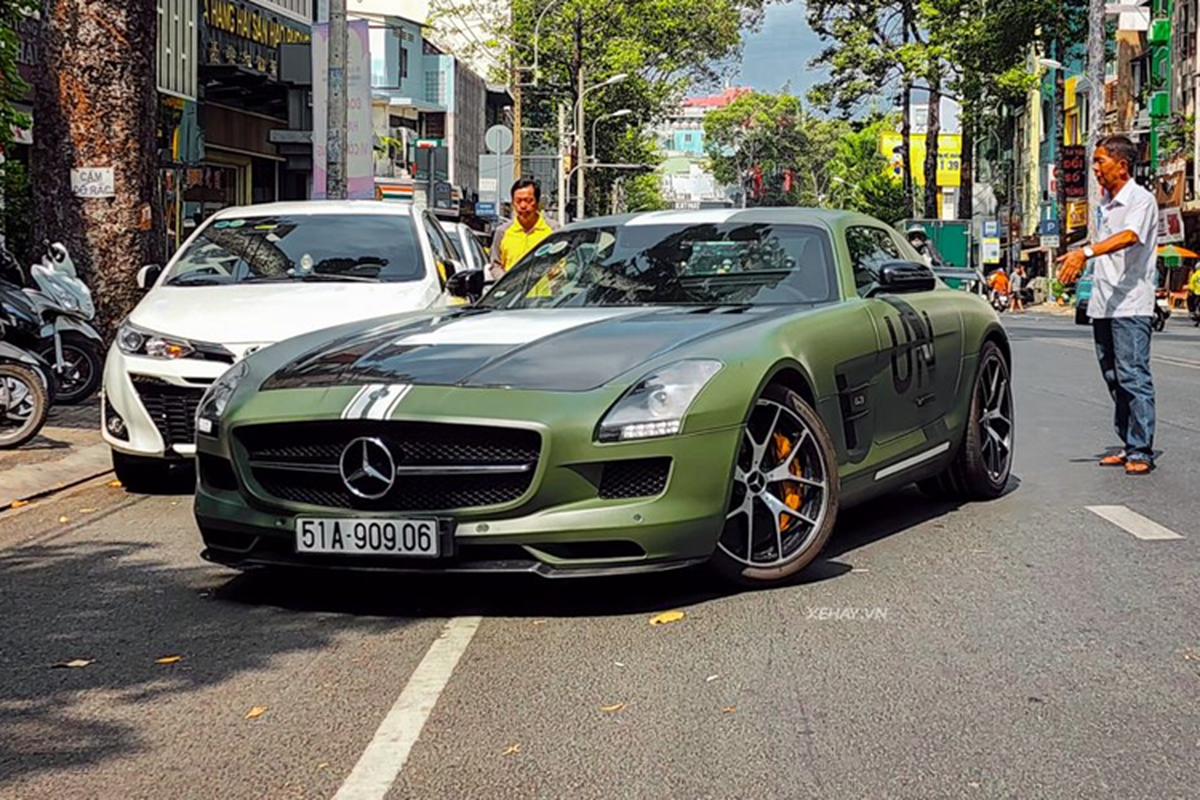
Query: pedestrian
(1017,283)
(514,240)
(1194,293)
(1122,302)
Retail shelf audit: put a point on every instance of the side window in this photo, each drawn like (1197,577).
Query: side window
(870,249)
(479,257)
(443,251)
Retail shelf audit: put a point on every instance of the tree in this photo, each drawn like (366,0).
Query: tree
(862,179)
(97,108)
(12,13)
(772,137)
(665,49)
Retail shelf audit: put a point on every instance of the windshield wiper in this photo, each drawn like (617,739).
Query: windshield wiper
(202,280)
(318,278)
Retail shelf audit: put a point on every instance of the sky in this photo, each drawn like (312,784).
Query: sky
(780,51)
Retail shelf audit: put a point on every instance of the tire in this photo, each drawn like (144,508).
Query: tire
(86,369)
(776,528)
(31,404)
(143,475)
(981,467)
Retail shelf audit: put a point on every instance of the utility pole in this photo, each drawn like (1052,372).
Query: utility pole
(1096,104)
(562,164)
(1060,137)
(517,129)
(580,138)
(339,36)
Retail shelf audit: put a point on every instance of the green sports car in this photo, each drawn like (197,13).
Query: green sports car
(640,393)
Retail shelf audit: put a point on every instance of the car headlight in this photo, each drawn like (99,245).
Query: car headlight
(135,341)
(216,400)
(658,403)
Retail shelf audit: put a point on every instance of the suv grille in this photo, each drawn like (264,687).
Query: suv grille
(171,407)
(439,467)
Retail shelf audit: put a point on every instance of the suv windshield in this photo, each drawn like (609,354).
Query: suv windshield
(325,247)
(635,264)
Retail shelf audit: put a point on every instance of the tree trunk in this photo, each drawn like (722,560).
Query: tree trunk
(931,147)
(906,145)
(966,190)
(1096,105)
(97,108)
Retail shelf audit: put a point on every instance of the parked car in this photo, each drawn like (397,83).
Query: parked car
(967,280)
(245,279)
(640,393)
(466,243)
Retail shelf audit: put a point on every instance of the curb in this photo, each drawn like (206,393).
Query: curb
(39,480)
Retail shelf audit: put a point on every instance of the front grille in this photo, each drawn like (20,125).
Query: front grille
(641,477)
(172,408)
(441,467)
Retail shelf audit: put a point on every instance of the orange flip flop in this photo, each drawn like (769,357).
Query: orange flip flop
(1138,467)
(1115,460)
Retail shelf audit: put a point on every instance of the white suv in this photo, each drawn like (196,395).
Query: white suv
(247,278)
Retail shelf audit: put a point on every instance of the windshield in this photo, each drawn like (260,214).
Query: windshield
(324,247)
(632,264)
(456,240)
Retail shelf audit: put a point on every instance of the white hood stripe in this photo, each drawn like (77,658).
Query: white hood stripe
(376,401)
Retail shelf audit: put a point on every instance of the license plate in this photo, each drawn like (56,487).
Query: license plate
(348,536)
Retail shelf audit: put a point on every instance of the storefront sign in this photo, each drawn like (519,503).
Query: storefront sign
(1170,226)
(1074,170)
(93,182)
(1050,241)
(239,33)
(949,167)
(1076,214)
(990,251)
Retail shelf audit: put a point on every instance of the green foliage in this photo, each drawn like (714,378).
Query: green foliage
(1176,139)
(864,182)
(775,134)
(11,85)
(17,215)
(644,193)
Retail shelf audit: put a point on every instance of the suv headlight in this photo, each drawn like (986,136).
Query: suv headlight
(135,341)
(216,399)
(658,403)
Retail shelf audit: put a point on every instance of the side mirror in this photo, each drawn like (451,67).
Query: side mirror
(902,277)
(467,284)
(148,276)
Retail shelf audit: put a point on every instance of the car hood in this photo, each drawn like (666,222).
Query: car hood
(548,349)
(265,313)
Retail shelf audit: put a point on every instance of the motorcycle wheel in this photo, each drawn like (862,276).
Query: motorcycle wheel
(26,405)
(82,371)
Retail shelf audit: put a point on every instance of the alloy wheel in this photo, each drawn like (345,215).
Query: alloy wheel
(780,489)
(995,421)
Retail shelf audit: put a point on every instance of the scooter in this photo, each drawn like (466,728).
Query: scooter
(65,304)
(26,386)
(1162,311)
(1000,302)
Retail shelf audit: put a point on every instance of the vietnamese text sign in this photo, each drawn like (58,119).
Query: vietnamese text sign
(1050,241)
(360,133)
(93,182)
(990,251)
(1074,170)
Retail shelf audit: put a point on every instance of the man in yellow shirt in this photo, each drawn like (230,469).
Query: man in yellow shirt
(525,232)
(1194,291)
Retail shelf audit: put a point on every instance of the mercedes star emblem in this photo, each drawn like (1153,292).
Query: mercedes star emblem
(368,469)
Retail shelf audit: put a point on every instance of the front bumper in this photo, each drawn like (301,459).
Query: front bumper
(561,526)
(159,411)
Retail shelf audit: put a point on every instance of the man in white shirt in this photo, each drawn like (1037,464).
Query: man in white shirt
(1122,302)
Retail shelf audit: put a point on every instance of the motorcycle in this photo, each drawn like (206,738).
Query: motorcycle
(1162,311)
(65,304)
(26,386)
(1000,302)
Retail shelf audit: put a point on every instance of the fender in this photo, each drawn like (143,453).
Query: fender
(15,355)
(64,323)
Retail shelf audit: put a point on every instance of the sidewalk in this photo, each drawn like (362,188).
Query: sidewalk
(67,451)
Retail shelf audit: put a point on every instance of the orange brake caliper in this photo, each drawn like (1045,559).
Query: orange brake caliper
(793,495)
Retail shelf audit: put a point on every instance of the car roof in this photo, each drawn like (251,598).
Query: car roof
(825,217)
(316,208)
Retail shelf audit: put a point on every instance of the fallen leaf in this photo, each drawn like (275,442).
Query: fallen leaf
(256,712)
(512,750)
(114,484)
(612,708)
(729,709)
(87,511)
(169,660)
(711,678)
(64,518)
(619,664)
(539,622)
(323,765)
(76,663)
(666,617)
(974,784)
(19,503)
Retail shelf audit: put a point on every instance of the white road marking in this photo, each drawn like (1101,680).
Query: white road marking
(908,463)
(1133,522)
(385,756)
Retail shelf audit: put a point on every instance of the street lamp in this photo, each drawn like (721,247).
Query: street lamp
(624,112)
(580,132)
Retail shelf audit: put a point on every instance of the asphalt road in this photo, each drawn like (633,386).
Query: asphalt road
(1024,648)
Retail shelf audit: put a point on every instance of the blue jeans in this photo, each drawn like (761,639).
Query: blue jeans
(1123,347)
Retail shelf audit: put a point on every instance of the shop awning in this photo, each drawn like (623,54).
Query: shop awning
(1173,256)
